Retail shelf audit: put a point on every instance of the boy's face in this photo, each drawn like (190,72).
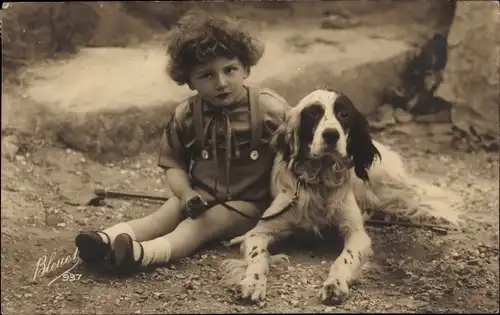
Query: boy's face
(220,81)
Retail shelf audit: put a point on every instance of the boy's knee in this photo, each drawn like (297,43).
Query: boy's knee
(234,211)
(173,203)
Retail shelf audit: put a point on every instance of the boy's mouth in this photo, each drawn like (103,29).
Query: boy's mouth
(222,96)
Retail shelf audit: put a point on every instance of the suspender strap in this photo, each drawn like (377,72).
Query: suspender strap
(255,120)
(198,122)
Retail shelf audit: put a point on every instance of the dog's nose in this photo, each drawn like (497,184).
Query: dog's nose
(331,136)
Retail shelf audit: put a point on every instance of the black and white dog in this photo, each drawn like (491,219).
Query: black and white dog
(327,158)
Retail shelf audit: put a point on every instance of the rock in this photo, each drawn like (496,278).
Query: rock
(471,81)
(384,111)
(441,139)
(383,117)
(443,116)
(402,116)
(10,146)
(339,22)
(413,130)
(439,128)
(53,220)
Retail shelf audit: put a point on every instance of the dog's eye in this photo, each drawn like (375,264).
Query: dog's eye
(314,114)
(314,111)
(343,114)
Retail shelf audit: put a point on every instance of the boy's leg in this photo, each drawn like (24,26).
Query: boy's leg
(216,223)
(162,221)
(95,245)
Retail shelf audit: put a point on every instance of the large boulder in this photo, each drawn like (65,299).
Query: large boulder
(471,77)
(113,102)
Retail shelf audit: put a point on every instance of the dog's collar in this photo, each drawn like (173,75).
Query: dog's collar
(309,171)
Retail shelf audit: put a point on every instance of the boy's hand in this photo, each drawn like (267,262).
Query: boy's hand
(193,203)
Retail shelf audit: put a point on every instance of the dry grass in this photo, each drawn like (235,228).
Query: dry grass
(36,31)
(33,32)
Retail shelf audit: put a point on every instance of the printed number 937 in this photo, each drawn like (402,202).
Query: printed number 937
(68,276)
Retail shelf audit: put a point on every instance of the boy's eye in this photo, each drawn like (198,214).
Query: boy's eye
(205,75)
(231,70)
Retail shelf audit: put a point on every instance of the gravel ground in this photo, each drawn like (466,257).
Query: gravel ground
(43,207)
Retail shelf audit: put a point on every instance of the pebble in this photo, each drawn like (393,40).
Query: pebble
(401,116)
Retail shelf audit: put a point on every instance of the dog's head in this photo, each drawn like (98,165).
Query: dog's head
(325,122)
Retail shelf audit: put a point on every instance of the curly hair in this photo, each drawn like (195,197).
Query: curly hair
(200,37)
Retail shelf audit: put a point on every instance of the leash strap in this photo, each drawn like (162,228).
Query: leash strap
(289,206)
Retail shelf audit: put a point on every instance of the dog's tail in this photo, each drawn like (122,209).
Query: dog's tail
(409,197)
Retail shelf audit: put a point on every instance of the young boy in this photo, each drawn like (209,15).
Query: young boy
(215,147)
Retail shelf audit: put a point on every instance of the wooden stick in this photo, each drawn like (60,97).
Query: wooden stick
(436,228)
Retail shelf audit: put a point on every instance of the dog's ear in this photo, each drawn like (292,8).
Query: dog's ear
(286,138)
(360,146)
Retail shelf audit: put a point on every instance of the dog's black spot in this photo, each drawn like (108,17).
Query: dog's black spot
(309,120)
(262,250)
(338,282)
(252,235)
(359,255)
(350,253)
(253,248)
(254,254)
(359,142)
(256,276)
(345,261)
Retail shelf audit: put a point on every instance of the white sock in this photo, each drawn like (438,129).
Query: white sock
(156,251)
(117,229)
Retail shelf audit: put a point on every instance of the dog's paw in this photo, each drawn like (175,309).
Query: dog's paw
(253,287)
(334,291)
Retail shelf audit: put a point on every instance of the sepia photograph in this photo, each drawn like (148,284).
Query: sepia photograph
(203,157)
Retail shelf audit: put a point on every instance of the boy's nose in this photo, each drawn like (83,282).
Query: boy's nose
(221,80)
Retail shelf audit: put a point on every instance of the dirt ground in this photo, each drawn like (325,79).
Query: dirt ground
(44,193)
(43,206)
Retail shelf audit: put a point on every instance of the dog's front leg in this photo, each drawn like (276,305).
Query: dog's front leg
(255,247)
(357,250)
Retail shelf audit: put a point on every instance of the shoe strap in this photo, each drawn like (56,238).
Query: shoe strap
(142,253)
(107,236)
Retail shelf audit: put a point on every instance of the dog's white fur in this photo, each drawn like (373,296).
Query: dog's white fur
(339,200)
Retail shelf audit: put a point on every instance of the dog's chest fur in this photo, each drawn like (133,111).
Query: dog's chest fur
(321,196)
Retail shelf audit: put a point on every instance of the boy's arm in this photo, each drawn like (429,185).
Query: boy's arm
(173,158)
(274,108)
(179,183)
